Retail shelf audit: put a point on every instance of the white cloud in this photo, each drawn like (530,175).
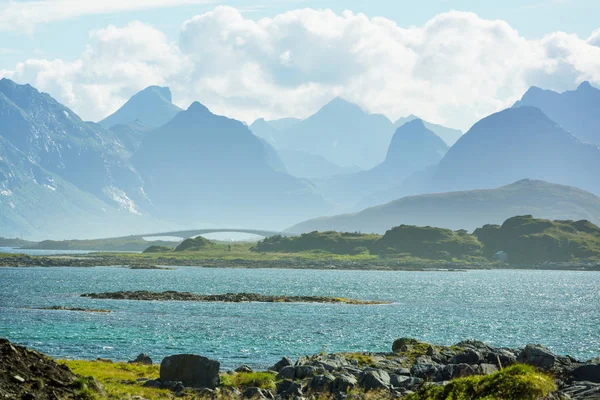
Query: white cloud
(453,70)
(25,15)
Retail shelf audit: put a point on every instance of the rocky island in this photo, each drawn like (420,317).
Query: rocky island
(224,298)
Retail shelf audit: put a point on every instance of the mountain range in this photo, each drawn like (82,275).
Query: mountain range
(466,209)
(151,165)
(208,168)
(577,111)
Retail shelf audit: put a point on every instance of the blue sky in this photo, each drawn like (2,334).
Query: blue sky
(450,62)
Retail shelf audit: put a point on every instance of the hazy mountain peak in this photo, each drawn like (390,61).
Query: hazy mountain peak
(339,104)
(198,108)
(585,85)
(415,143)
(152,106)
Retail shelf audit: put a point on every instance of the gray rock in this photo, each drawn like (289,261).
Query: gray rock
(287,372)
(174,386)
(288,388)
(403,344)
(305,371)
(468,356)
(257,393)
(244,369)
(402,371)
(374,379)
(398,380)
(192,370)
(501,357)
(425,370)
(487,369)
(321,383)
(537,356)
(585,372)
(453,371)
(343,383)
(143,359)
(410,382)
(284,362)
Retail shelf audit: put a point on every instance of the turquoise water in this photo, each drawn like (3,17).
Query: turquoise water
(505,308)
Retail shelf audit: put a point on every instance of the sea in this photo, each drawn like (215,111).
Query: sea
(505,308)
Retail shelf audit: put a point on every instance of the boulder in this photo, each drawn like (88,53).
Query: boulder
(321,383)
(243,369)
(403,344)
(284,362)
(190,369)
(537,356)
(486,369)
(586,372)
(305,371)
(425,370)
(374,379)
(289,389)
(343,383)
(468,356)
(287,372)
(452,371)
(143,359)
(398,380)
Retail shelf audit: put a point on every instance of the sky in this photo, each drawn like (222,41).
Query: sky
(449,62)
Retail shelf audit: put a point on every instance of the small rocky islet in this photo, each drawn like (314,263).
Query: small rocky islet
(170,295)
(413,370)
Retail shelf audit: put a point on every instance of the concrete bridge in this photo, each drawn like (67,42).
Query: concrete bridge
(197,232)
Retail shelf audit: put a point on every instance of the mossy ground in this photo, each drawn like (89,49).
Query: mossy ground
(517,382)
(263,380)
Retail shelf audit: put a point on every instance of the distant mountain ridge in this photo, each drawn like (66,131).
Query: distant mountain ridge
(513,144)
(151,107)
(577,111)
(204,168)
(57,140)
(467,209)
(448,135)
(412,148)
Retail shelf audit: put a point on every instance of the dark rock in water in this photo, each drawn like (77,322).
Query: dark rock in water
(289,389)
(537,356)
(143,359)
(244,369)
(192,370)
(586,372)
(257,394)
(284,362)
(343,384)
(374,379)
(28,374)
(321,383)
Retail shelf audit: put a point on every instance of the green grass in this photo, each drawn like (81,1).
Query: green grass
(263,380)
(518,382)
(118,379)
(362,359)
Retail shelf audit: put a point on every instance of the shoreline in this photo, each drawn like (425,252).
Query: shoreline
(410,369)
(135,262)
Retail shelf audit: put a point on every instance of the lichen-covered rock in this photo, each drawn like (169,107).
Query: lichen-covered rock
(374,379)
(537,356)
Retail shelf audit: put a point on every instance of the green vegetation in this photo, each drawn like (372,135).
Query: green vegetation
(429,243)
(118,379)
(530,240)
(157,249)
(329,242)
(515,382)
(194,244)
(127,243)
(263,380)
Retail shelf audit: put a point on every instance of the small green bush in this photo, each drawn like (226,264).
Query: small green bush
(263,380)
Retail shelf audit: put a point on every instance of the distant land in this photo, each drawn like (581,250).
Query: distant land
(466,209)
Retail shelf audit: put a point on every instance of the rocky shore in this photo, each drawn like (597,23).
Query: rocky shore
(412,370)
(63,308)
(225,298)
(129,261)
